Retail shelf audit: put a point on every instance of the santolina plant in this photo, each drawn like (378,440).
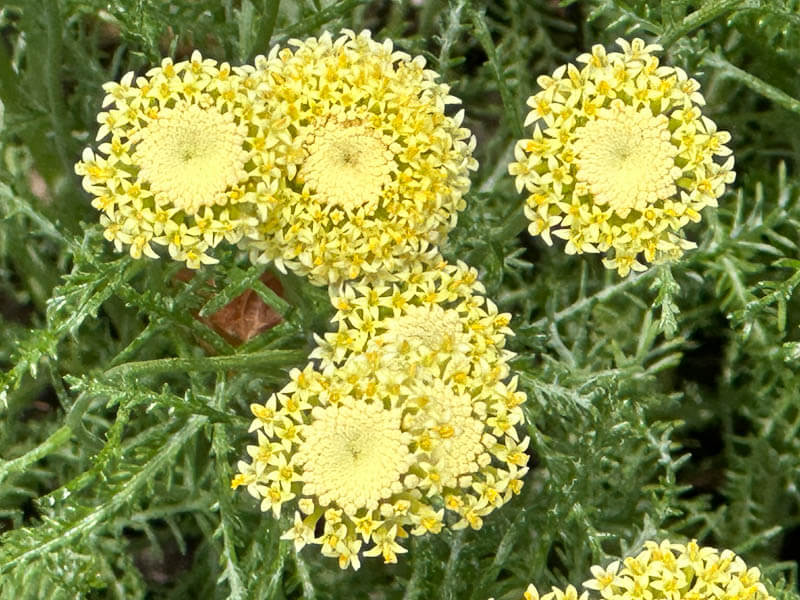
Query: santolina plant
(484,424)
(338,161)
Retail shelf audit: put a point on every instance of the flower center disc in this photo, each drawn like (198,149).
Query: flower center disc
(347,164)
(191,156)
(626,158)
(354,455)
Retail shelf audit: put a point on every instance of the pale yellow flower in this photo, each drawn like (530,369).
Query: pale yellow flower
(185,161)
(375,172)
(406,409)
(668,571)
(620,157)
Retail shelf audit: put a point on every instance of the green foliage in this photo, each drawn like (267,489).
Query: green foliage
(663,404)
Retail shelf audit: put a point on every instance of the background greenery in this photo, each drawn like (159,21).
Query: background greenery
(663,404)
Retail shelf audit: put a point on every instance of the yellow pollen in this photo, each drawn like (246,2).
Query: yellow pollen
(98,173)
(263,413)
(264,453)
(446,431)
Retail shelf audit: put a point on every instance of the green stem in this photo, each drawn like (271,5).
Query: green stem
(603,294)
(58,438)
(259,360)
(419,570)
(55,96)
(500,169)
(221,446)
(319,19)
(451,576)
(450,35)
(754,83)
(484,36)
(277,567)
(514,224)
(708,12)
(309,592)
(268,25)
(102,453)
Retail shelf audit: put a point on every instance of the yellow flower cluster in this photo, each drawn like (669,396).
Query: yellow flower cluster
(376,171)
(334,159)
(667,571)
(620,157)
(189,159)
(403,415)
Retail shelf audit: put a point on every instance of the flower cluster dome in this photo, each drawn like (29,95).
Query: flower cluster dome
(668,571)
(406,414)
(620,157)
(187,159)
(375,173)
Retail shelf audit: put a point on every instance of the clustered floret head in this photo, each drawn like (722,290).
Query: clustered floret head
(185,161)
(405,415)
(376,172)
(620,157)
(668,571)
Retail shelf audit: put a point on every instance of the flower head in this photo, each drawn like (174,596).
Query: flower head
(376,171)
(186,162)
(669,571)
(403,418)
(620,157)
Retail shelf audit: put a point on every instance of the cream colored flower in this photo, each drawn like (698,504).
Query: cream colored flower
(186,162)
(405,409)
(620,157)
(669,571)
(376,171)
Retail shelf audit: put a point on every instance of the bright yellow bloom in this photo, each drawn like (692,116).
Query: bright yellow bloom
(405,414)
(668,571)
(620,157)
(185,163)
(376,171)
